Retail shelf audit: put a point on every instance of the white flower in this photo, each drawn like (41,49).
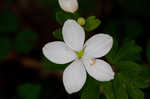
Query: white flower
(83,56)
(68,5)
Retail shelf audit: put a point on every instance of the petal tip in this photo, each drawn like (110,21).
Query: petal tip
(58,52)
(44,50)
(112,76)
(74,77)
(70,22)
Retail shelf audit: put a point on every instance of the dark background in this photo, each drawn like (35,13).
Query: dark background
(120,18)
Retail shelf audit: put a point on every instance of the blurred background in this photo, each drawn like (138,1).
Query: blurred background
(27,25)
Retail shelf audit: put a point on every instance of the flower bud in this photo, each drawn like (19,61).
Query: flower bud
(69,5)
(81,21)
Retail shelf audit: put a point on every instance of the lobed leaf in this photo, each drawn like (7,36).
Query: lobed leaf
(119,86)
(128,51)
(128,66)
(108,90)
(135,93)
(91,90)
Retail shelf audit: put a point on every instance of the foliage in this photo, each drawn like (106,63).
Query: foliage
(92,23)
(58,34)
(128,51)
(108,90)
(91,89)
(124,87)
(148,51)
(129,77)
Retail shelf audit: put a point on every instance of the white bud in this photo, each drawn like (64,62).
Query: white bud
(69,5)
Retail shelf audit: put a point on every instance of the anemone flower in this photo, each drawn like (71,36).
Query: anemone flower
(82,55)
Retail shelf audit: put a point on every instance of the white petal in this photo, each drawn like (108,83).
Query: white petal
(58,52)
(68,5)
(99,69)
(98,45)
(74,77)
(73,35)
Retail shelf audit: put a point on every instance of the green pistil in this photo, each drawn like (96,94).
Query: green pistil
(80,54)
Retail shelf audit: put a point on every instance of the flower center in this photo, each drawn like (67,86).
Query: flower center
(80,54)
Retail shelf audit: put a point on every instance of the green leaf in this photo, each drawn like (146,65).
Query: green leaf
(29,91)
(48,65)
(91,90)
(58,34)
(92,23)
(145,72)
(5,47)
(135,79)
(135,93)
(128,66)
(62,16)
(131,83)
(108,90)
(25,41)
(120,87)
(148,51)
(140,82)
(113,52)
(128,51)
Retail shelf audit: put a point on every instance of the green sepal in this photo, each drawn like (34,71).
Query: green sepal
(58,34)
(92,23)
